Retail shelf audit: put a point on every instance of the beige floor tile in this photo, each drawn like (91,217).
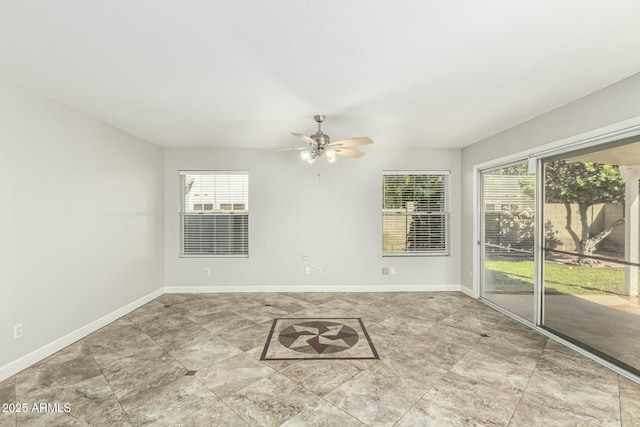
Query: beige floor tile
(583,390)
(485,404)
(8,397)
(86,402)
(494,370)
(130,375)
(320,376)
(67,367)
(373,399)
(203,350)
(416,375)
(445,359)
(535,410)
(232,374)
(322,414)
(425,413)
(629,402)
(270,401)
(184,400)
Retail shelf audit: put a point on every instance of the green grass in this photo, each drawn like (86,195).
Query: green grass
(517,276)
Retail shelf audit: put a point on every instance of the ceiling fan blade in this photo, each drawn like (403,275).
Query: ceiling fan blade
(347,152)
(352,142)
(288,149)
(304,138)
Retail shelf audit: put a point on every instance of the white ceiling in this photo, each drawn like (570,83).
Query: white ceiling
(244,73)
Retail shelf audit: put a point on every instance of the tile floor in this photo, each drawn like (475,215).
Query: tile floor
(445,359)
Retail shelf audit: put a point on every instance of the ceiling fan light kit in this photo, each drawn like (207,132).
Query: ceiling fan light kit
(321,146)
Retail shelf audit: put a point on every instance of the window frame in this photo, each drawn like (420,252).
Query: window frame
(445,213)
(183,212)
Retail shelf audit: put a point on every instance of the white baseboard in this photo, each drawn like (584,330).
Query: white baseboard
(467,291)
(309,288)
(35,356)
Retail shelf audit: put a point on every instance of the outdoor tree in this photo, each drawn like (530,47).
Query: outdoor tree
(583,184)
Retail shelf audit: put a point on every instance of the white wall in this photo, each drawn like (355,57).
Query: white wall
(81,224)
(608,107)
(331,212)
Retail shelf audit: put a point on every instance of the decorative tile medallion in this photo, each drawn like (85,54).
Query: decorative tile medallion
(318,338)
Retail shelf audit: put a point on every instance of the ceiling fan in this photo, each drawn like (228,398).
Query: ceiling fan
(321,146)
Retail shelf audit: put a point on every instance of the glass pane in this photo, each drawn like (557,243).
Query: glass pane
(415,214)
(589,305)
(216,192)
(591,251)
(508,232)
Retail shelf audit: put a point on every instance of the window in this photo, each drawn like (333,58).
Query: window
(214,213)
(415,213)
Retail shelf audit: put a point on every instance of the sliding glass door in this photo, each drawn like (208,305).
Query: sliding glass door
(582,284)
(507,238)
(591,249)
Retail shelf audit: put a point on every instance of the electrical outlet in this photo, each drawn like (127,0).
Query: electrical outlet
(307,270)
(207,272)
(387,271)
(17,331)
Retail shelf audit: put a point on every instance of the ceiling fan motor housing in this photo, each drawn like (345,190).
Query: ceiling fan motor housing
(320,145)
(322,139)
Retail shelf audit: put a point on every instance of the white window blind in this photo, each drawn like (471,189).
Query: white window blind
(415,213)
(214,213)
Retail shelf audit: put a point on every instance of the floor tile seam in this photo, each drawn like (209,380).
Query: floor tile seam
(306,388)
(259,379)
(506,361)
(422,396)
(168,352)
(198,319)
(217,336)
(175,379)
(249,421)
(216,333)
(432,323)
(450,370)
(126,414)
(471,346)
(160,384)
(455,325)
(221,400)
(578,373)
(454,410)
(343,410)
(572,408)
(620,399)
(488,384)
(249,385)
(515,408)
(164,350)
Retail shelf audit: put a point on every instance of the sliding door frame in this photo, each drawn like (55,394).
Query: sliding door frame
(480,240)
(618,132)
